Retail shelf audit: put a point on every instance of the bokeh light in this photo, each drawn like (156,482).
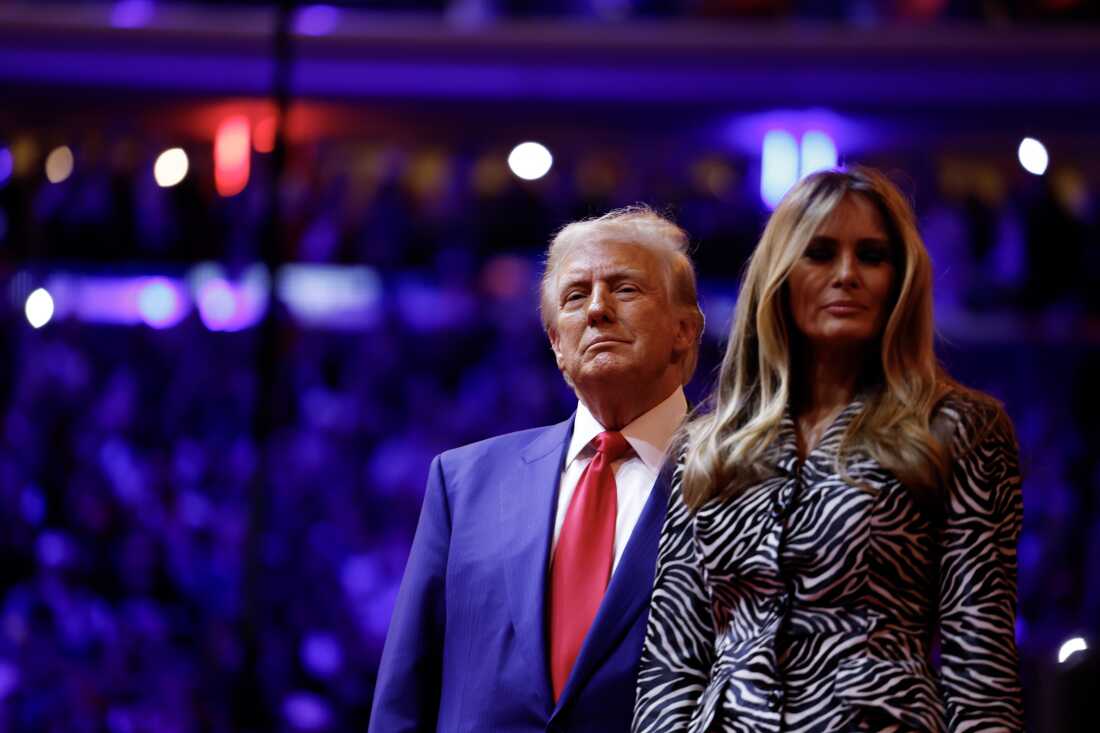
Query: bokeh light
(160,303)
(131,13)
(530,161)
(59,164)
(1033,156)
(7,164)
(39,308)
(232,150)
(818,153)
(1071,647)
(171,167)
(778,166)
(316,20)
(263,137)
(217,303)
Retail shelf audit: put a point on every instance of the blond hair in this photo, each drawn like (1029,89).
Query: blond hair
(727,444)
(638,225)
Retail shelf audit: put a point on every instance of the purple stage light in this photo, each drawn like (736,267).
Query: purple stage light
(321,654)
(131,13)
(217,304)
(778,166)
(306,711)
(230,306)
(161,302)
(330,296)
(9,679)
(316,20)
(7,164)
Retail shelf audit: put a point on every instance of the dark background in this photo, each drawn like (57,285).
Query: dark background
(209,480)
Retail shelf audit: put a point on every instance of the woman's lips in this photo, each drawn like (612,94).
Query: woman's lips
(844,309)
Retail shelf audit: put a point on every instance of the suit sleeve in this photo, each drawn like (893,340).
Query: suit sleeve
(977,605)
(406,697)
(679,643)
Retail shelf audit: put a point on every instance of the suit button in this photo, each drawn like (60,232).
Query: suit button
(783,604)
(775,699)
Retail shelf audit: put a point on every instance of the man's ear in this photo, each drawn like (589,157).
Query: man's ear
(689,329)
(552,334)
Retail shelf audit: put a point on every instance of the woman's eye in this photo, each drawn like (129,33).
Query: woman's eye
(819,254)
(874,256)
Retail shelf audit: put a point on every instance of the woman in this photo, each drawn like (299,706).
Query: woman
(842,503)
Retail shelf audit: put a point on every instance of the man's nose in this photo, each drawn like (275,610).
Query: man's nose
(600,305)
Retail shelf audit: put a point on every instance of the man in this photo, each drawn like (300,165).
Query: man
(524,602)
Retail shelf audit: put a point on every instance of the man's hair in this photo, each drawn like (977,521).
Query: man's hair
(638,225)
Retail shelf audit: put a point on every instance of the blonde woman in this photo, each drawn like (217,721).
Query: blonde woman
(841,505)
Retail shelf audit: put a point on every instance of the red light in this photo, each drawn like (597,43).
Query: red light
(263,139)
(232,150)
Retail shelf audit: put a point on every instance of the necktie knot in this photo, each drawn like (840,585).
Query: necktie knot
(612,445)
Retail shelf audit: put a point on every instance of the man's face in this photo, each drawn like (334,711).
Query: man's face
(616,327)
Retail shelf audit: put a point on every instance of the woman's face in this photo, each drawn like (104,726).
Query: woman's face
(839,290)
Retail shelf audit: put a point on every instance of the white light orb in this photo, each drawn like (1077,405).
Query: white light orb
(1071,647)
(530,161)
(1033,156)
(59,164)
(39,308)
(170,168)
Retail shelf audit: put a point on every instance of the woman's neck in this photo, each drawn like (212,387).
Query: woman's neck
(826,379)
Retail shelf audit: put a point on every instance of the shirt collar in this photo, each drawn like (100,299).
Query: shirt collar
(649,435)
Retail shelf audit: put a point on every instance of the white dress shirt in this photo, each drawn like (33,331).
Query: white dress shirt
(649,437)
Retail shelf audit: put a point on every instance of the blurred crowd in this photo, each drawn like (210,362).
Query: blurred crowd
(860,12)
(168,571)
(1001,239)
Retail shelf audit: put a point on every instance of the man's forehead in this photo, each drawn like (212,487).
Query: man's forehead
(609,256)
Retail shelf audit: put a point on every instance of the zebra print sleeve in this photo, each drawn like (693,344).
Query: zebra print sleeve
(679,644)
(977,605)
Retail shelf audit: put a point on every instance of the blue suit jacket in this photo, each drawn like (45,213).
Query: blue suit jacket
(467,646)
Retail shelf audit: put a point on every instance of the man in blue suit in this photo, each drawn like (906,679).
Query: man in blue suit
(524,602)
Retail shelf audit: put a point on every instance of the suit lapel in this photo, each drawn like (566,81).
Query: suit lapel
(528,504)
(628,593)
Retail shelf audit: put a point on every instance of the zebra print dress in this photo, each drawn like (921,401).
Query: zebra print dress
(806,604)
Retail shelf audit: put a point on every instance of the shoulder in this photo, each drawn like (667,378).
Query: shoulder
(501,452)
(965,419)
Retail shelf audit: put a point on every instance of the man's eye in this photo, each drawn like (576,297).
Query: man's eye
(573,296)
(628,289)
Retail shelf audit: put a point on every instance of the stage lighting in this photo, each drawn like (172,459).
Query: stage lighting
(170,168)
(778,166)
(39,308)
(530,161)
(7,165)
(263,136)
(131,13)
(1033,156)
(232,151)
(1071,647)
(217,304)
(818,153)
(316,20)
(59,164)
(160,303)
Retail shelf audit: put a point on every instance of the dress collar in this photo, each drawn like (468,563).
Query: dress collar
(786,444)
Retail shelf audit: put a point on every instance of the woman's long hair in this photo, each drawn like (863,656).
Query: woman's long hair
(727,445)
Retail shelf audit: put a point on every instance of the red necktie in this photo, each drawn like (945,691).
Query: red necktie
(581,566)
